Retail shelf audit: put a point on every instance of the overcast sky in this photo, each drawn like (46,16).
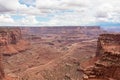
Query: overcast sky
(60,12)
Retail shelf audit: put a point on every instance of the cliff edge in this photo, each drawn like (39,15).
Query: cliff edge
(11,41)
(107,67)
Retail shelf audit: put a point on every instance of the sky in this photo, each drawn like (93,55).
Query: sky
(60,13)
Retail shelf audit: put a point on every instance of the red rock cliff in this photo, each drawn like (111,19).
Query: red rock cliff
(108,66)
(12,39)
(1,67)
(11,42)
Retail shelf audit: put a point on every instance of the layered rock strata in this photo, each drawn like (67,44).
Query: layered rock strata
(108,65)
(2,74)
(11,40)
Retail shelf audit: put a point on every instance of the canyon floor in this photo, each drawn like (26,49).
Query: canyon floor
(48,63)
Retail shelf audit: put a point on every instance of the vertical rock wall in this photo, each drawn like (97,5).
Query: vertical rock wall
(108,66)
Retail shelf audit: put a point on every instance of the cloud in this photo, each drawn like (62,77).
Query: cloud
(71,19)
(3,9)
(64,12)
(6,20)
(28,20)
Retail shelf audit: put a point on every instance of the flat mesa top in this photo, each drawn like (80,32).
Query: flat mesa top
(110,34)
(115,36)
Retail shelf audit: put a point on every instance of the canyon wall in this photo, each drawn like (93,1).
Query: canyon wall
(2,74)
(11,40)
(60,29)
(107,42)
(108,65)
(64,34)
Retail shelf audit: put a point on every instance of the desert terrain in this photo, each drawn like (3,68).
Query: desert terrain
(54,53)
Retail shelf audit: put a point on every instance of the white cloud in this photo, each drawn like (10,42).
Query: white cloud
(11,4)
(65,12)
(28,20)
(6,20)
(71,19)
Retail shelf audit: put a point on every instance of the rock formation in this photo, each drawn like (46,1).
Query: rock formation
(1,66)
(108,65)
(62,30)
(12,40)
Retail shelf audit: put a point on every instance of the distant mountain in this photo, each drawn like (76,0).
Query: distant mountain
(113,29)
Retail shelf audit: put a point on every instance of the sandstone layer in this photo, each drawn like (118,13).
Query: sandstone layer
(108,65)
(11,42)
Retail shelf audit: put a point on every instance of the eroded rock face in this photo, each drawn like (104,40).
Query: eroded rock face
(11,40)
(108,66)
(108,43)
(1,68)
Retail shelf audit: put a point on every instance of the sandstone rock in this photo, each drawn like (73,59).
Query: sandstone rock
(2,74)
(11,40)
(108,66)
(10,43)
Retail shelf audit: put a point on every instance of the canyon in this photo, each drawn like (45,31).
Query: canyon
(57,53)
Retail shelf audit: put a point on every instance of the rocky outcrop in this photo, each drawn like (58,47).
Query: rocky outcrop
(108,65)
(11,40)
(107,43)
(2,75)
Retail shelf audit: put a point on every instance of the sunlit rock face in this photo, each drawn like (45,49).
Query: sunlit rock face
(108,65)
(11,40)
(1,67)
(108,43)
